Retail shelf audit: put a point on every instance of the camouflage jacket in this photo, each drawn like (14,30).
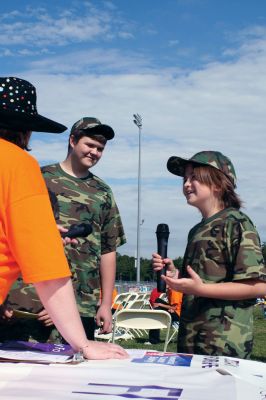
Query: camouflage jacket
(223,248)
(74,201)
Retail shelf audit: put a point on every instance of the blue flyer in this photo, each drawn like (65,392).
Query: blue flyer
(172,359)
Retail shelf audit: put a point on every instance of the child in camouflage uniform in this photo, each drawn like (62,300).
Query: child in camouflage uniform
(223,270)
(78,196)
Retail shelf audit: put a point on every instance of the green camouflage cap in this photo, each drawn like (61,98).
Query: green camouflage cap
(215,159)
(87,123)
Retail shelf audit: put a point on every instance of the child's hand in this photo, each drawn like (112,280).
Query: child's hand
(66,240)
(192,285)
(44,317)
(159,263)
(104,318)
(6,313)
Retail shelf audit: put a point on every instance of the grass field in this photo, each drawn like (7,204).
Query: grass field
(259,349)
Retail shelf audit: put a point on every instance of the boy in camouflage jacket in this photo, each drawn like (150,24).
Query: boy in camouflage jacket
(223,269)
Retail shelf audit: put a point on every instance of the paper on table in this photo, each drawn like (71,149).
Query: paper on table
(32,356)
(20,351)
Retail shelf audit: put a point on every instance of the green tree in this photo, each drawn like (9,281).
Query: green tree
(178,262)
(126,271)
(125,268)
(146,271)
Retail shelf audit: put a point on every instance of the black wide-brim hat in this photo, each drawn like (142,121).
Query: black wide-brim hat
(18,108)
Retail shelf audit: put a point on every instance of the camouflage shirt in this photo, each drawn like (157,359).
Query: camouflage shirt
(74,201)
(223,248)
(85,200)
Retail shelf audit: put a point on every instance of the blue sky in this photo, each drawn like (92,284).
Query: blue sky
(193,69)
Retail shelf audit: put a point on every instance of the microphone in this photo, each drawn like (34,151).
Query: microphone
(162,233)
(77,230)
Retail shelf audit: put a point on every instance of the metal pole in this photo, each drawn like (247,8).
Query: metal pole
(138,121)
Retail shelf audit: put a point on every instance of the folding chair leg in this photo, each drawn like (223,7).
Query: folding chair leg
(175,327)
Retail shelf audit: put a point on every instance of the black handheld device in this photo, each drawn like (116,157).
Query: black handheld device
(77,230)
(162,233)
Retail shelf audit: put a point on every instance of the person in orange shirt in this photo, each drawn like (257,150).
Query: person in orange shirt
(175,299)
(30,243)
(173,306)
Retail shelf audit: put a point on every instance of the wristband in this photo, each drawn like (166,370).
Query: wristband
(79,356)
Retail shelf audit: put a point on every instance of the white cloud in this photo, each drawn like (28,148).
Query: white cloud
(50,31)
(37,27)
(126,35)
(173,42)
(220,107)
(80,62)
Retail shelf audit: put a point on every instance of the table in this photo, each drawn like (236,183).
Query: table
(146,375)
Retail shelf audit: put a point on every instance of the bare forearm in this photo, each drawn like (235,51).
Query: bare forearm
(162,305)
(238,290)
(107,271)
(59,301)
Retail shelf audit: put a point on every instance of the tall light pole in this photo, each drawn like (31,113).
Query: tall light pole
(138,121)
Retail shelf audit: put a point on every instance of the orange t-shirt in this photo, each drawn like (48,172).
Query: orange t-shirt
(114,305)
(30,243)
(175,298)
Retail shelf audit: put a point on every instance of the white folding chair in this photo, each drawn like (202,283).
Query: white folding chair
(147,295)
(143,295)
(136,304)
(140,296)
(163,296)
(131,297)
(120,301)
(120,298)
(174,327)
(142,319)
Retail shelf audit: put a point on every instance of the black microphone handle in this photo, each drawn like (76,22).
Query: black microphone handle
(75,230)
(162,234)
(162,251)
